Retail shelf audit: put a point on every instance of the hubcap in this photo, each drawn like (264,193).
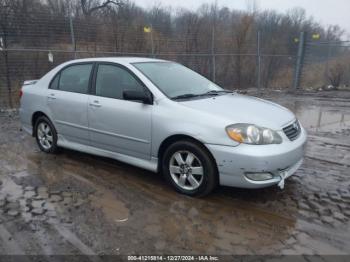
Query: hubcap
(45,136)
(186,170)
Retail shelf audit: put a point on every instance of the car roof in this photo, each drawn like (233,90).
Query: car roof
(127,60)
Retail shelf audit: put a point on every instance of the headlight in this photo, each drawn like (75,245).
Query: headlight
(252,134)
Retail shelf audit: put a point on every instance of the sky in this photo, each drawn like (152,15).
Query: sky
(324,11)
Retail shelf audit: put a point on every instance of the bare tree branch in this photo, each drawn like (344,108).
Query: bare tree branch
(87,10)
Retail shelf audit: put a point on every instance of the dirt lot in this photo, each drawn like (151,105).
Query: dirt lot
(74,203)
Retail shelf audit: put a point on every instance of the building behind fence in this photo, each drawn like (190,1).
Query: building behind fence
(31,50)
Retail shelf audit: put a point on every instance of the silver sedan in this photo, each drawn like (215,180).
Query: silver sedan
(164,117)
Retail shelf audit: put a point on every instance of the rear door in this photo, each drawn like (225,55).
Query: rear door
(115,124)
(68,99)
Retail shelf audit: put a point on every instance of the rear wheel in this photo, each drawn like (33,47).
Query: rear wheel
(46,135)
(189,168)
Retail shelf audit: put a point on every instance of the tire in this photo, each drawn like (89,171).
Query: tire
(46,135)
(178,172)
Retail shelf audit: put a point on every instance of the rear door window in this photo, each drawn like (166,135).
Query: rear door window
(75,78)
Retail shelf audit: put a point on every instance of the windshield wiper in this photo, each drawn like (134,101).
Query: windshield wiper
(210,93)
(184,96)
(217,92)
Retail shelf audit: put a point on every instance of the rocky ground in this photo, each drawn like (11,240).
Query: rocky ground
(74,203)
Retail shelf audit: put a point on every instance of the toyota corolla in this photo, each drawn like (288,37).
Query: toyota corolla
(163,117)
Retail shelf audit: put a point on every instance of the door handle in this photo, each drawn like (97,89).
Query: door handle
(51,97)
(95,104)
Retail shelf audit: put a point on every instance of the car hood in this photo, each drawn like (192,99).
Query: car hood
(235,108)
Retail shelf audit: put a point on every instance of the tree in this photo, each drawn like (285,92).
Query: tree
(336,74)
(90,6)
(241,35)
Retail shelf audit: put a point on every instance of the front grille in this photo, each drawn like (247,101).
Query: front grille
(292,131)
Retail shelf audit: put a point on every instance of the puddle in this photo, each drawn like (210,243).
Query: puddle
(319,119)
(113,208)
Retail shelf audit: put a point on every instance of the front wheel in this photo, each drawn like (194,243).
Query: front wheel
(46,135)
(189,168)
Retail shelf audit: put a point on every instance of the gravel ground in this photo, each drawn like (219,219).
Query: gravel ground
(74,203)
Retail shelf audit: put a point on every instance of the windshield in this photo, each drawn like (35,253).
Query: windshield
(175,80)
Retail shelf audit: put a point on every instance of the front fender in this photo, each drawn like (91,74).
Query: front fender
(170,120)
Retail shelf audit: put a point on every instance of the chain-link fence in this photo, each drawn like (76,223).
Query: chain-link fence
(326,64)
(33,46)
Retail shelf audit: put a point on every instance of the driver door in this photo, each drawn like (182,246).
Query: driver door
(116,124)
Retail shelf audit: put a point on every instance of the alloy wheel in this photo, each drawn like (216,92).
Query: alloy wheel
(186,170)
(45,135)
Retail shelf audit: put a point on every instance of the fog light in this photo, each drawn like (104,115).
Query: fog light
(259,176)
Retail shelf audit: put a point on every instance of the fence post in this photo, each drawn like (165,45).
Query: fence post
(74,47)
(8,78)
(329,51)
(258,61)
(4,46)
(152,42)
(213,54)
(300,61)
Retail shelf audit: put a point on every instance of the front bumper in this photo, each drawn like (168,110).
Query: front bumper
(281,161)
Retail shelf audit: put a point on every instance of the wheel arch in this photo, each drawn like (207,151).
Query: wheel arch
(174,138)
(35,117)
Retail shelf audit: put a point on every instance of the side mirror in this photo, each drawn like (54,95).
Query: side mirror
(133,95)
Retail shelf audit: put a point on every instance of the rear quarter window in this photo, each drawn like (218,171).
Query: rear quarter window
(54,82)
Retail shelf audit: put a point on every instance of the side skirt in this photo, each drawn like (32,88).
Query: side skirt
(151,165)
